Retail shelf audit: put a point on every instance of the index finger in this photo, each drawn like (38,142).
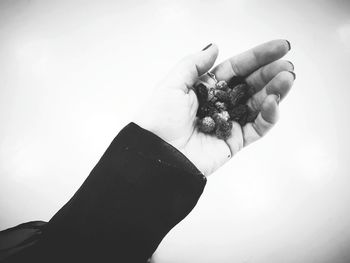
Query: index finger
(252,59)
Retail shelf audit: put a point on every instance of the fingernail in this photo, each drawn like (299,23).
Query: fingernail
(207,47)
(293,73)
(289,45)
(291,64)
(278,99)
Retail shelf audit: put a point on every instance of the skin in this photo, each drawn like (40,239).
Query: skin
(176,104)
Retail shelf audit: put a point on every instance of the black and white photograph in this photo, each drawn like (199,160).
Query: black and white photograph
(190,131)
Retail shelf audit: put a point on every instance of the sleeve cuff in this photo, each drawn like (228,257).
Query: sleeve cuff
(150,146)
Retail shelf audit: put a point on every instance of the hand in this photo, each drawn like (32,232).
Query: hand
(172,114)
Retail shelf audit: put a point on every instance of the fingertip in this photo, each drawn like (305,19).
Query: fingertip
(279,46)
(293,74)
(212,49)
(206,47)
(285,44)
(281,83)
(206,58)
(288,44)
(292,67)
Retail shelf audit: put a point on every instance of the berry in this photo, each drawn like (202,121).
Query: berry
(211,94)
(222,85)
(206,125)
(251,91)
(223,129)
(239,114)
(222,116)
(222,95)
(243,120)
(251,116)
(238,95)
(214,99)
(201,92)
(220,105)
(206,109)
(236,80)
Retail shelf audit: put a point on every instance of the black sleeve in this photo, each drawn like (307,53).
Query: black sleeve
(138,191)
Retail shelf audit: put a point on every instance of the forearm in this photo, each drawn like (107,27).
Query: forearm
(140,189)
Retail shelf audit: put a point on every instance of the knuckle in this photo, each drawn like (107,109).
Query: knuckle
(234,68)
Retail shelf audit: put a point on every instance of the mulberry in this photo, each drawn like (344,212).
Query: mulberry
(223,129)
(224,115)
(222,85)
(202,93)
(207,109)
(222,95)
(243,114)
(237,112)
(222,104)
(206,125)
(239,95)
(236,80)
(211,94)
(251,116)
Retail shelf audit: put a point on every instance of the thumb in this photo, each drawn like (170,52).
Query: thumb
(189,69)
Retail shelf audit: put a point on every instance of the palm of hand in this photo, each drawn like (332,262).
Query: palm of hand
(207,152)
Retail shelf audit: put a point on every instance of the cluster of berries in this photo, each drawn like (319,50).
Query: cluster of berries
(219,106)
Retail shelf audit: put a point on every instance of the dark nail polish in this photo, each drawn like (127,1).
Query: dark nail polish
(207,47)
(292,72)
(291,64)
(278,99)
(289,45)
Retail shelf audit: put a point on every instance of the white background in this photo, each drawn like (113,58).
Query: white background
(72,73)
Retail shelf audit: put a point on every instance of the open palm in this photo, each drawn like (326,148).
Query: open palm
(172,115)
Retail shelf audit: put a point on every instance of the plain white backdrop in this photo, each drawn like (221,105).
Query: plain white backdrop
(73,72)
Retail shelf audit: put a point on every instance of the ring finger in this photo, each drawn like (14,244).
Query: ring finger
(279,85)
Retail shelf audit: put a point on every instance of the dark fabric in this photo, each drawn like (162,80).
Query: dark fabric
(138,191)
(17,238)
